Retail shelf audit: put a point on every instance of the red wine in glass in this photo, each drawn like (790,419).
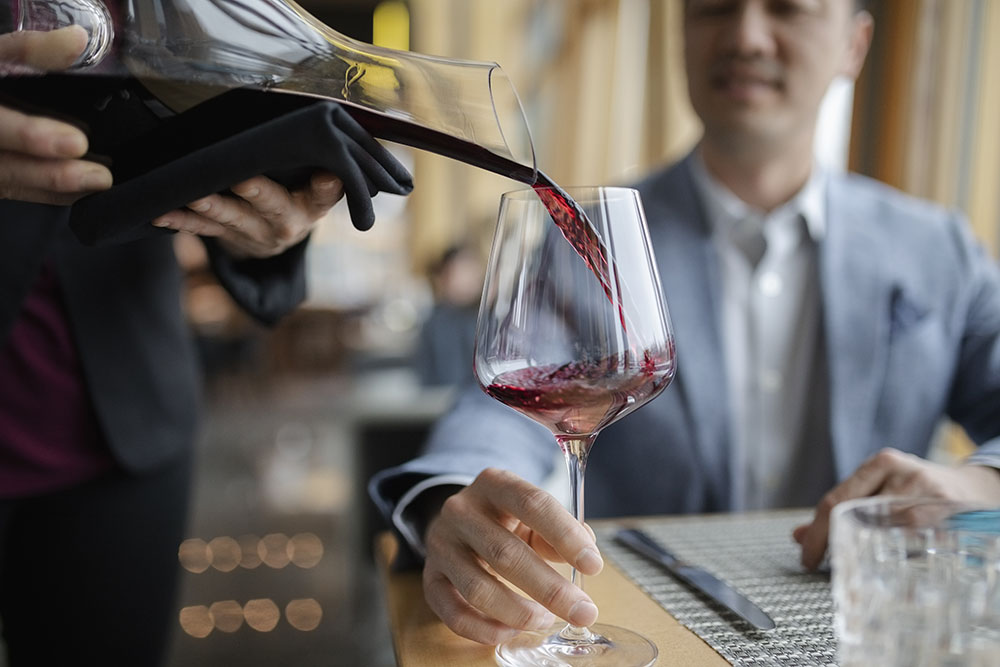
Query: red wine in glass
(581,397)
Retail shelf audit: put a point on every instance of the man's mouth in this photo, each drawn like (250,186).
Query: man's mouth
(746,81)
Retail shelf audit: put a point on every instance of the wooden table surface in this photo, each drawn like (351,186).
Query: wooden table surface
(421,640)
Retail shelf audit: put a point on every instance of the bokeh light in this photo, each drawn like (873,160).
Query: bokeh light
(305,550)
(197,621)
(304,614)
(248,546)
(227,615)
(226,553)
(273,550)
(261,615)
(194,555)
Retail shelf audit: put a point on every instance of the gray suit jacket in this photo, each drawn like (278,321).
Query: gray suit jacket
(912,325)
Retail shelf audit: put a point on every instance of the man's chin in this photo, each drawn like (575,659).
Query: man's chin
(750,95)
(748,131)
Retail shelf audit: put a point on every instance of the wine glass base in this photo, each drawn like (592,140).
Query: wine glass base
(607,646)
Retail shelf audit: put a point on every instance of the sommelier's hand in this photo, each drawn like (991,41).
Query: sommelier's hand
(39,157)
(892,472)
(501,527)
(265,220)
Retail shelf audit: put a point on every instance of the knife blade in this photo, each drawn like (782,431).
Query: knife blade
(694,576)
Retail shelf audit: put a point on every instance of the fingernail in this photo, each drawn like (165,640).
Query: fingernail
(201,205)
(161,222)
(252,191)
(589,561)
(326,184)
(98,179)
(583,613)
(70,144)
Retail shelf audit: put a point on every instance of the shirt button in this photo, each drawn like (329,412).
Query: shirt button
(770,284)
(770,380)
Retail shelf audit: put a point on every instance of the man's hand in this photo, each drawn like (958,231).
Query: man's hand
(39,157)
(265,219)
(503,528)
(892,472)
(42,51)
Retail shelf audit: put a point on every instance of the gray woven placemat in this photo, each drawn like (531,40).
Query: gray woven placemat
(756,554)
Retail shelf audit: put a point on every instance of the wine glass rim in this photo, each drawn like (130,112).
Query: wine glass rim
(878,511)
(531,192)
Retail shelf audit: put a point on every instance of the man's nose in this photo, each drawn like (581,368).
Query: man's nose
(750,32)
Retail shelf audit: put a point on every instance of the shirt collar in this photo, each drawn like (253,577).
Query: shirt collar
(725,211)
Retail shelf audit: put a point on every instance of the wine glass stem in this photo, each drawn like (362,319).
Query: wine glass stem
(575,451)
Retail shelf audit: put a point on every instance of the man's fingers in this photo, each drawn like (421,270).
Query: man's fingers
(286,217)
(516,562)
(39,137)
(289,213)
(324,191)
(869,479)
(37,160)
(269,199)
(481,589)
(545,515)
(30,178)
(236,223)
(263,219)
(459,615)
(871,475)
(53,50)
(190,223)
(229,212)
(538,543)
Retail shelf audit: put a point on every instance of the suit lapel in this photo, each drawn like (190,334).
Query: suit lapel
(856,298)
(689,271)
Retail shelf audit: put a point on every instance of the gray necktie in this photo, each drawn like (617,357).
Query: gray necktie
(748,236)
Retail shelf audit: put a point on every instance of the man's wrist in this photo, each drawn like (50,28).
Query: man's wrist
(427,506)
(421,503)
(985,481)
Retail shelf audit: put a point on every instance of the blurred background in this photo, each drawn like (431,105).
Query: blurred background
(277,564)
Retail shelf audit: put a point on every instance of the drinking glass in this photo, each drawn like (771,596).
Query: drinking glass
(573,333)
(916,583)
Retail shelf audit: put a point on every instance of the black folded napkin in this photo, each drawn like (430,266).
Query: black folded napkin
(230,138)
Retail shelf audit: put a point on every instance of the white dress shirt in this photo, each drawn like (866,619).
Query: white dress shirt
(773,344)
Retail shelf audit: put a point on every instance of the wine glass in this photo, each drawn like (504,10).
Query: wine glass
(573,332)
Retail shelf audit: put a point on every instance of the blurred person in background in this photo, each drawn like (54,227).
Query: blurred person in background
(443,356)
(99,390)
(825,324)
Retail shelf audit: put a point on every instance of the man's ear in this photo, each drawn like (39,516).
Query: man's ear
(862,29)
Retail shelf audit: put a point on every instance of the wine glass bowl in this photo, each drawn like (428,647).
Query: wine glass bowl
(573,332)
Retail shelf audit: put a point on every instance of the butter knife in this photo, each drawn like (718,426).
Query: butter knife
(696,577)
